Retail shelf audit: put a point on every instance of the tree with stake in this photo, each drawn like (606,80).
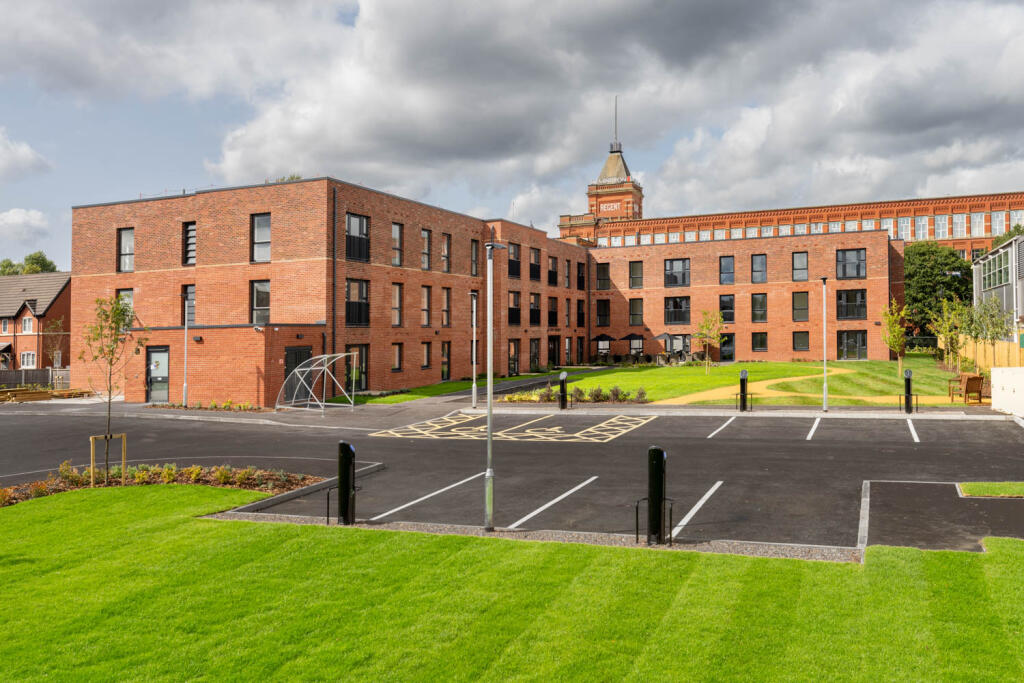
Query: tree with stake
(947,327)
(894,332)
(107,342)
(994,323)
(709,334)
(53,340)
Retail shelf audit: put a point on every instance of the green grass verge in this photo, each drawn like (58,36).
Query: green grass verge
(1008,489)
(439,389)
(125,583)
(799,401)
(877,378)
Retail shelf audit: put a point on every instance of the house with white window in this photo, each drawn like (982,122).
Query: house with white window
(35,320)
(1000,274)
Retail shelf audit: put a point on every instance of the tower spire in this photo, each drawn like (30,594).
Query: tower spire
(616,146)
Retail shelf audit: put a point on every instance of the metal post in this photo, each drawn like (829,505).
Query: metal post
(184,384)
(346,483)
(743,391)
(472,351)
(489,473)
(824,345)
(563,392)
(908,406)
(656,495)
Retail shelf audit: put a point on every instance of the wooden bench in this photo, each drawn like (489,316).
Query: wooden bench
(966,385)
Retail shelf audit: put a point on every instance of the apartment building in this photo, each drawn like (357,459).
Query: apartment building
(35,318)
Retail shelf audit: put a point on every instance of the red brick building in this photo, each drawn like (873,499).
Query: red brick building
(35,317)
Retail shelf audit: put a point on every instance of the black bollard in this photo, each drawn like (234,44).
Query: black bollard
(743,391)
(656,460)
(908,395)
(346,483)
(563,392)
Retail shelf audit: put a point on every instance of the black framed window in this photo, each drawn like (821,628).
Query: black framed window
(568,274)
(259,302)
(552,311)
(357,237)
(535,309)
(604,312)
(852,344)
(425,250)
(534,355)
(801,341)
(636,274)
(726,270)
(514,262)
(474,257)
(581,313)
(852,304)
(727,307)
(604,280)
(759,308)
(799,266)
(851,264)
(535,264)
(425,306)
(396,304)
(513,308)
(581,276)
(446,253)
(553,271)
(397,243)
(677,272)
(425,348)
(446,307)
(396,357)
(126,250)
(636,311)
(568,312)
(188,244)
(800,307)
(677,310)
(758,268)
(759,341)
(357,303)
(259,237)
(188,305)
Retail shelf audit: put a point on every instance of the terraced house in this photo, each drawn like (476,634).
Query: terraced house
(34,321)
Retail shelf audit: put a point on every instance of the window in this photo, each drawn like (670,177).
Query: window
(259,237)
(799,266)
(426,354)
(446,307)
(581,313)
(552,271)
(636,274)
(26,324)
(396,304)
(636,347)
(446,253)
(3,326)
(513,356)
(357,303)
(397,244)
(759,308)
(188,244)
(998,222)
(259,302)
(903,228)
(58,358)
(125,295)
(446,361)
(975,253)
(889,225)
(851,264)
(995,272)
(513,260)
(552,311)
(513,308)
(959,225)
(357,237)
(759,268)
(568,312)
(396,358)
(534,355)
(759,341)
(604,312)
(568,273)
(677,272)
(474,257)
(726,268)
(126,250)
(800,307)
(677,310)
(188,305)
(535,309)
(581,276)
(604,347)
(604,280)
(853,344)
(727,307)
(28,359)
(941,227)
(978,224)
(425,306)
(921,228)
(801,341)
(636,311)
(425,250)
(835,226)
(851,304)
(535,264)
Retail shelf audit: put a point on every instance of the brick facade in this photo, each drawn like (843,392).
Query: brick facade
(47,344)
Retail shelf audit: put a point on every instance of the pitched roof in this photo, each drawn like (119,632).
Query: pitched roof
(614,170)
(38,291)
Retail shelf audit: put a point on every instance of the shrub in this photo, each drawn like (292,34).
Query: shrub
(245,477)
(222,474)
(615,394)
(213,405)
(282,477)
(69,474)
(641,395)
(228,404)
(169,474)
(259,479)
(546,395)
(141,475)
(38,489)
(144,467)
(6,496)
(115,472)
(577,395)
(596,395)
(625,396)
(193,473)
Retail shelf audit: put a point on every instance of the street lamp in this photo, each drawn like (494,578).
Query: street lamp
(489,474)
(472,298)
(824,344)
(184,385)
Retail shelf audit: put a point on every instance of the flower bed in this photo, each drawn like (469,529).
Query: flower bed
(578,395)
(70,478)
(228,406)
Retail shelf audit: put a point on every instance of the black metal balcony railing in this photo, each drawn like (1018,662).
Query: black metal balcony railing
(552,318)
(513,316)
(513,268)
(535,316)
(535,271)
(357,313)
(553,278)
(357,248)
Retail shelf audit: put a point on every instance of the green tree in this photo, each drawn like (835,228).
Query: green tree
(110,343)
(288,178)
(947,326)
(36,262)
(709,334)
(932,273)
(1007,236)
(9,267)
(894,332)
(994,323)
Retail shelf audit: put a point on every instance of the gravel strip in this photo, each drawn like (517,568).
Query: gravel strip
(747,548)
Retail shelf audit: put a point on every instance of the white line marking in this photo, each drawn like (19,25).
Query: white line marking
(689,515)
(544,507)
(722,427)
(429,495)
(913,432)
(865,506)
(814,428)
(520,426)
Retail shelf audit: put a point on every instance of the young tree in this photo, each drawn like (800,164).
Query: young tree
(110,343)
(53,339)
(933,273)
(972,329)
(709,334)
(894,331)
(994,323)
(947,327)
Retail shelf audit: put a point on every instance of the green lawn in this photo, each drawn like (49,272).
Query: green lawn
(125,584)
(440,389)
(877,378)
(1009,489)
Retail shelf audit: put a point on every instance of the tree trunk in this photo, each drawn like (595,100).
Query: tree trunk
(106,438)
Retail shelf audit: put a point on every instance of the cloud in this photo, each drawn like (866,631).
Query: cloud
(23,226)
(18,159)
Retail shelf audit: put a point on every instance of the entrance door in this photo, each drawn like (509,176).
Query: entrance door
(158,359)
(853,344)
(568,350)
(355,373)
(579,350)
(727,352)
(446,361)
(553,351)
(534,355)
(294,388)
(513,357)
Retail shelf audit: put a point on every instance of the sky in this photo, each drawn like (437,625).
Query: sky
(502,108)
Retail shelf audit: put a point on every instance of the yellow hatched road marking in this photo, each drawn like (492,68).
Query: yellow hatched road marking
(454,427)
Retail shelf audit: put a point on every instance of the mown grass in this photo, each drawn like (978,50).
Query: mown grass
(877,378)
(439,389)
(126,584)
(1008,489)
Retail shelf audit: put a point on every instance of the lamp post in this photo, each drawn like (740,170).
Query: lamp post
(824,345)
(489,473)
(472,352)
(184,384)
